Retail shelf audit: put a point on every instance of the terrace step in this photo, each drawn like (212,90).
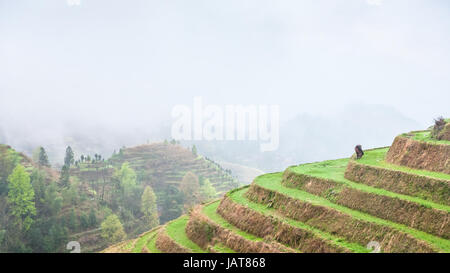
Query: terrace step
(373,170)
(420,152)
(220,248)
(207,228)
(326,179)
(266,222)
(141,244)
(172,238)
(353,225)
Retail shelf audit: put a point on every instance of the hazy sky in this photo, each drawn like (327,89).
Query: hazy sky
(127,63)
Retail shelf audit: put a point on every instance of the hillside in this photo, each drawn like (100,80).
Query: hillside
(163,164)
(74,210)
(59,211)
(397,198)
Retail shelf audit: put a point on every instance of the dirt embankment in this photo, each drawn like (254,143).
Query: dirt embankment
(167,245)
(338,223)
(428,188)
(271,228)
(396,210)
(445,134)
(420,155)
(207,233)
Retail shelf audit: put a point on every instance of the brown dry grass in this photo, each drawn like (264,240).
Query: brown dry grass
(420,155)
(445,134)
(207,233)
(270,227)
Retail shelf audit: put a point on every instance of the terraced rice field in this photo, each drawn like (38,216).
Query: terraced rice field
(331,206)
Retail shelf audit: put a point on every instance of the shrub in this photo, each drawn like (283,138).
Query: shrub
(439,125)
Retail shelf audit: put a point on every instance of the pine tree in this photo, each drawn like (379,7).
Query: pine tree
(64,179)
(72,222)
(69,158)
(43,158)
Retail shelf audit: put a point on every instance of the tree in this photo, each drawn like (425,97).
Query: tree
(172,200)
(148,207)
(38,181)
(439,124)
(127,178)
(92,218)
(53,199)
(71,193)
(43,158)
(2,235)
(64,179)
(194,150)
(8,162)
(72,222)
(207,191)
(190,187)
(21,197)
(84,221)
(69,158)
(112,229)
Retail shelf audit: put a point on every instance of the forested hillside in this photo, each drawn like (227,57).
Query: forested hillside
(98,201)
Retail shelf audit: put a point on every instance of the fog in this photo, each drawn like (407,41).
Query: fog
(100,74)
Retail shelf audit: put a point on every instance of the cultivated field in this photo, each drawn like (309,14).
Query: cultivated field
(397,196)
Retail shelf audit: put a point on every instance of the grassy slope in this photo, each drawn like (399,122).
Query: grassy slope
(238,197)
(376,158)
(273,182)
(164,164)
(335,169)
(176,230)
(425,136)
(146,240)
(210,211)
(220,248)
(151,245)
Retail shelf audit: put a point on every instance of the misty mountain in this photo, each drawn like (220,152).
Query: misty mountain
(305,138)
(309,138)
